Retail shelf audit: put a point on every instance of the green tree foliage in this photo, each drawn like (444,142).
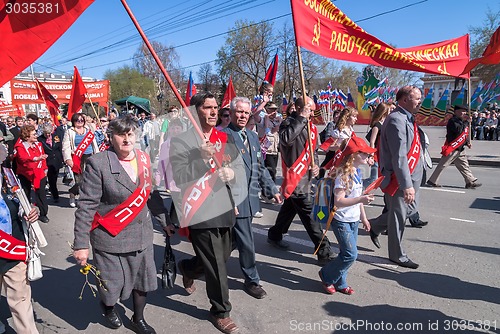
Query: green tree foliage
(126,81)
(480,38)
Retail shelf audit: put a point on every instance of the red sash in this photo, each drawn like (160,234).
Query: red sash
(122,215)
(447,148)
(196,194)
(103,147)
(413,156)
(292,175)
(12,248)
(77,156)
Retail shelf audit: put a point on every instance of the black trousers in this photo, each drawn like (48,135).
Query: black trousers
(52,175)
(212,248)
(40,194)
(301,205)
(271,163)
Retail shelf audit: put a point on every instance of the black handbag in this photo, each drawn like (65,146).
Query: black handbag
(169,269)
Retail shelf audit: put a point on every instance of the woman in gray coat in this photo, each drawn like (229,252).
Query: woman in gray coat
(113,215)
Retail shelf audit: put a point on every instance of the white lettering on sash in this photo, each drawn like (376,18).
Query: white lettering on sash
(6,246)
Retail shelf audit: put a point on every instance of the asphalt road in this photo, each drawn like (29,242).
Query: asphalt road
(456,289)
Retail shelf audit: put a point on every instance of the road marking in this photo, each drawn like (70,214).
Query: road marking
(444,190)
(463,220)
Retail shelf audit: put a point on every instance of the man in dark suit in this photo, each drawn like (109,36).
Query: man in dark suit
(257,177)
(61,129)
(208,206)
(403,175)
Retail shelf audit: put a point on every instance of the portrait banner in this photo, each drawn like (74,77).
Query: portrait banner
(324,29)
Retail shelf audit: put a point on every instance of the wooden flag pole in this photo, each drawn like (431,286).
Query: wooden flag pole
(304,98)
(95,112)
(163,70)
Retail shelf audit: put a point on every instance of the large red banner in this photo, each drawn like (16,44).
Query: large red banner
(25,91)
(11,110)
(322,28)
(29,28)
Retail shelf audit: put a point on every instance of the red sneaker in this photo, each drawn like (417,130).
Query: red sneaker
(346,291)
(329,288)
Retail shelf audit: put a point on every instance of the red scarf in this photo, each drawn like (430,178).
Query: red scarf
(196,194)
(292,175)
(447,148)
(77,156)
(413,156)
(103,147)
(122,215)
(12,248)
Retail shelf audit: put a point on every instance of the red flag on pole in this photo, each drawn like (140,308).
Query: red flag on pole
(50,101)
(78,92)
(191,89)
(272,70)
(28,32)
(491,54)
(229,94)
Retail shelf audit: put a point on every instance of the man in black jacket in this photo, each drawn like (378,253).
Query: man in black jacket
(453,151)
(296,187)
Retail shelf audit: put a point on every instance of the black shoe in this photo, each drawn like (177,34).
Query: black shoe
(56,200)
(473,185)
(407,264)
(322,260)
(432,184)
(418,224)
(44,219)
(280,244)
(255,290)
(374,238)
(112,318)
(141,326)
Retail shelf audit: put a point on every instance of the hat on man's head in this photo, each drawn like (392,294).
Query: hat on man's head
(354,145)
(460,107)
(271,105)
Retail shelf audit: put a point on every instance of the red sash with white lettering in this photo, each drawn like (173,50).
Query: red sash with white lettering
(77,156)
(196,194)
(292,175)
(103,147)
(122,215)
(12,248)
(447,148)
(413,156)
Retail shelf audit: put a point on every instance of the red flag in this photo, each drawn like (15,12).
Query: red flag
(322,28)
(272,70)
(191,89)
(28,31)
(78,92)
(49,101)
(229,94)
(491,54)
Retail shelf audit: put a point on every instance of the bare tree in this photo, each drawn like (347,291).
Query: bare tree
(145,64)
(208,81)
(481,38)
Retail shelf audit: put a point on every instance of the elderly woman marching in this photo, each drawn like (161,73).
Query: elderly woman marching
(114,216)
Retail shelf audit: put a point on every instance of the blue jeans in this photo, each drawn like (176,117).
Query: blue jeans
(335,272)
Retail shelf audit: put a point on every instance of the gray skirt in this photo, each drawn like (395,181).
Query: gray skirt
(125,272)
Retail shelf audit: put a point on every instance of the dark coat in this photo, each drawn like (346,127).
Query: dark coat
(53,151)
(257,175)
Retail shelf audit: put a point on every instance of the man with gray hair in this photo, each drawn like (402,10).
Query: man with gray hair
(257,177)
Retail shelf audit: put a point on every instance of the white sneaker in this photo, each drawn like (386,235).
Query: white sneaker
(72,203)
(258,215)
(2,328)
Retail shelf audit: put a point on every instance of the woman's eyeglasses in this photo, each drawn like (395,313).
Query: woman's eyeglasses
(225,115)
(80,120)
